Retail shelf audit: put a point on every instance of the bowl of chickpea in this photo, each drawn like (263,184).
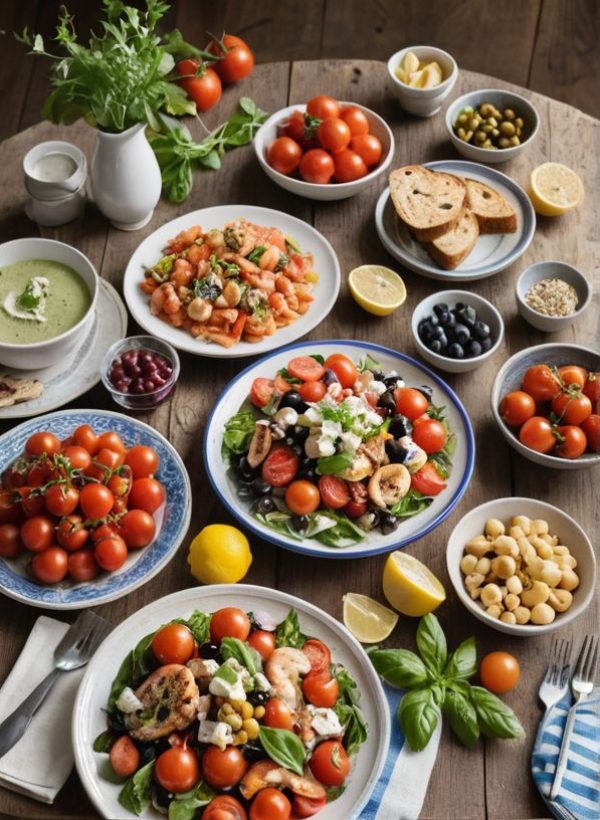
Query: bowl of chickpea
(522,566)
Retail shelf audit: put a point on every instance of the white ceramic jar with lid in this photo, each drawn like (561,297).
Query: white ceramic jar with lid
(55,173)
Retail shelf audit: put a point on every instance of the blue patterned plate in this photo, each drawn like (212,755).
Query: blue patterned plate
(172,518)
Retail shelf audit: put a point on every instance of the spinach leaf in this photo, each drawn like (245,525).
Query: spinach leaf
(104,741)
(184,806)
(243,653)
(288,632)
(284,747)
(135,794)
(136,665)
(239,430)
(348,711)
(337,463)
(496,719)
(463,662)
(431,643)
(443,458)
(400,667)
(199,625)
(333,792)
(411,504)
(462,716)
(419,714)
(342,534)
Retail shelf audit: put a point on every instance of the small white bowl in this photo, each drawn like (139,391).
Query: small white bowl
(552,270)
(485,311)
(267,133)
(54,189)
(49,352)
(501,99)
(561,524)
(423,102)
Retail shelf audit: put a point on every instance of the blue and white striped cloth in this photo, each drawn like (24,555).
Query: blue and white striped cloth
(580,788)
(401,789)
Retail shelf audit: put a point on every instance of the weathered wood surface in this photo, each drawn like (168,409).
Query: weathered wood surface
(493,779)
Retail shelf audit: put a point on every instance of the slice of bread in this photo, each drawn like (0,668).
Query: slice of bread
(492,210)
(450,249)
(430,203)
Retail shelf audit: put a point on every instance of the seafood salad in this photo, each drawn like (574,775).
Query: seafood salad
(238,283)
(331,449)
(233,713)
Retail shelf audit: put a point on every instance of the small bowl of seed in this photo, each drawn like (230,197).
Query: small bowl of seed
(552,295)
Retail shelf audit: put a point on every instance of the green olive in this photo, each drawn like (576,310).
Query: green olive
(468,136)
(487,144)
(495,133)
(515,140)
(474,123)
(480,136)
(507,128)
(461,133)
(462,119)
(519,132)
(519,122)
(487,128)
(509,114)
(485,109)
(492,121)
(504,142)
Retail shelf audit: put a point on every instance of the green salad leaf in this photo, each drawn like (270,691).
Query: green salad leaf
(243,653)
(367,363)
(284,747)
(199,625)
(349,712)
(137,664)
(137,791)
(332,465)
(288,632)
(239,430)
(185,806)
(411,504)
(104,741)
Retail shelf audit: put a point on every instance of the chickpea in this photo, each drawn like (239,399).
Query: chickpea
(526,550)
(475,593)
(560,600)
(543,549)
(550,539)
(522,521)
(474,580)
(251,728)
(491,595)
(491,578)
(486,109)
(508,618)
(480,136)
(487,128)
(487,144)
(240,738)
(495,611)
(259,712)
(484,565)
(235,721)
(550,573)
(535,568)
(522,614)
(493,121)
(519,122)
(468,564)
(504,142)
(247,710)
(474,123)
(539,526)
(461,133)
(494,527)
(512,601)
(516,532)
(514,585)
(561,550)
(495,132)
(504,566)
(478,546)
(515,140)
(468,136)
(542,614)
(505,545)
(567,561)
(569,580)
(463,119)
(538,594)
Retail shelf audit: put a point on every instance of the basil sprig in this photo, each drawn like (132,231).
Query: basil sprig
(284,747)
(439,684)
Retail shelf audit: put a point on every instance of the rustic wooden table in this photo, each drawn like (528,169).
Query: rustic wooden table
(492,780)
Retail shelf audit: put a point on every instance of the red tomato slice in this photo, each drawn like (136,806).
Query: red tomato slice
(318,654)
(312,391)
(306,806)
(306,368)
(355,509)
(261,391)
(334,492)
(281,385)
(321,690)
(427,480)
(280,466)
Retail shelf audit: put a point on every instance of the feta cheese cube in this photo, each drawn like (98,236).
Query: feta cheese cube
(216,732)
(325,722)
(128,702)
(261,682)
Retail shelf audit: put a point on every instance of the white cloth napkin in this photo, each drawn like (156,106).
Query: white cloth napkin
(40,763)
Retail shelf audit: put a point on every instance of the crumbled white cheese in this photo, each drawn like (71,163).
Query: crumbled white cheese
(223,689)
(350,442)
(325,722)
(204,704)
(378,388)
(286,417)
(216,732)
(128,702)
(311,417)
(261,682)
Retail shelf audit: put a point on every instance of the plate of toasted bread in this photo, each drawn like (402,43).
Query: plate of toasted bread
(454,220)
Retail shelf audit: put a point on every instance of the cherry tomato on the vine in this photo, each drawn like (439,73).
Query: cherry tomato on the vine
(51,565)
(42,443)
(541,382)
(203,88)
(572,441)
(143,461)
(138,528)
(323,107)
(237,59)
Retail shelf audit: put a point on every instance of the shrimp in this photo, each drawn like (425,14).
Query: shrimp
(269,258)
(279,305)
(182,273)
(262,279)
(185,238)
(178,318)
(258,328)
(283,670)
(164,299)
(223,316)
(285,286)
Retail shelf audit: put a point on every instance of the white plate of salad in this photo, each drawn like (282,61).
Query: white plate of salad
(232,281)
(341,449)
(210,699)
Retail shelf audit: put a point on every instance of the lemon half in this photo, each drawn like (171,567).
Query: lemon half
(555,189)
(368,620)
(377,289)
(219,554)
(410,586)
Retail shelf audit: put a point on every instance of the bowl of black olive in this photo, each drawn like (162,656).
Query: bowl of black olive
(456,331)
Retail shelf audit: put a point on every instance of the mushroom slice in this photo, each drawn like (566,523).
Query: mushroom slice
(260,444)
(388,485)
(255,778)
(267,773)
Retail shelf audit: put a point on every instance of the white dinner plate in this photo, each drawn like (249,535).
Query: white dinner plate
(89,720)
(310,240)
(492,253)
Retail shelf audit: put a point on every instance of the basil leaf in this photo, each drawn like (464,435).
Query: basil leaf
(136,665)
(431,643)
(348,711)
(333,792)
(104,741)
(184,806)
(462,716)
(284,747)
(135,794)
(199,625)
(399,667)
(212,160)
(244,654)
(463,661)
(496,719)
(238,432)
(419,714)
(288,632)
(316,356)
(330,465)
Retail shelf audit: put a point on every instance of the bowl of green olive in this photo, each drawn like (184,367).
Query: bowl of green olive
(491,125)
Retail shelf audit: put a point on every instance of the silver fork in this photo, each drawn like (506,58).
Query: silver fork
(556,681)
(75,650)
(582,685)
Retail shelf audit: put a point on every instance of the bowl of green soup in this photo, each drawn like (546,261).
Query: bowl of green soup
(47,300)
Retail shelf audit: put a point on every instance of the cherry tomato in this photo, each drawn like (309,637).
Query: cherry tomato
(124,756)
(173,643)
(278,714)
(107,530)
(204,89)
(301,128)
(280,466)
(120,485)
(537,434)
(356,120)
(51,565)
(323,107)
(312,391)
(270,804)
(229,622)
(39,474)
(573,375)
(318,654)
(284,155)
(12,478)
(78,456)
(71,534)
(302,497)
(572,408)
(42,443)
(354,509)
(344,369)
(31,503)
(591,428)
(10,510)
(112,441)
(261,391)
(263,642)
(307,806)
(317,166)
(111,553)
(223,768)
(237,60)
(61,500)
(427,480)
(516,407)
(86,438)
(429,434)
(410,402)
(592,390)
(573,443)
(146,494)
(334,491)
(96,500)
(334,134)
(329,763)
(306,368)
(104,462)
(541,382)
(368,148)
(177,769)
(37,533)
(321,690)
(348,166)
(83,566)
(143,461)
(281,385)
(499,672)
(138,528)
(224,807)
(10,541)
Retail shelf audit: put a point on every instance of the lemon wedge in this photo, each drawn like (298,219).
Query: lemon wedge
(368,620)
(555,189)
(219,554)
(377,289)
(410,586)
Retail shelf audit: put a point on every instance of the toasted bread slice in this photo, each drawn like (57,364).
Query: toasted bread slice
(428,202)
(492,210)
(450,249)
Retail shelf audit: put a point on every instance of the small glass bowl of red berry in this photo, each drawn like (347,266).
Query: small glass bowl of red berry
(140,371)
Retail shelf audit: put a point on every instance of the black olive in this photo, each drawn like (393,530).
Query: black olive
(253,751)
(298,433)
(375,517)
(147,753)
(260,487)
(257,698)
(329,377)
(400,426)
(297,449)
(235,460)
(459,305)
(450,321)
(265,504)
(391,381)
(300,522)
(426,391)
(473,348)
(455,351)
(396,452)
(244,470)
(389,523)
(308,473)
(440,308)
(425,330)
(481,331)
(443,340)
(294,400)
(244,491)
(378,375)
(466,314)
(209,651)
(438,332)
(435,346)
(486,344)
(387,400)
(161,798)
(462,334)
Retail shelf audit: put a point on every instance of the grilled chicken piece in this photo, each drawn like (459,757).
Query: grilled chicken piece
(374,449)
(171,700)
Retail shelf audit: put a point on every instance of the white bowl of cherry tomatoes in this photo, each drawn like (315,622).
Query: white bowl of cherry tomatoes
(546,400)
(326,149)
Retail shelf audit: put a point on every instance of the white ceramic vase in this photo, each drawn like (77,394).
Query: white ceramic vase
(126,178)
